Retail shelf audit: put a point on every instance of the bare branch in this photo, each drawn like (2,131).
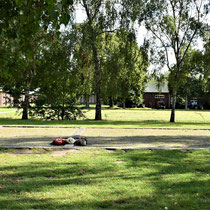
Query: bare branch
(97,9)
(163,44)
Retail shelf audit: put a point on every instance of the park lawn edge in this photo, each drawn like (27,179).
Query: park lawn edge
(104,124)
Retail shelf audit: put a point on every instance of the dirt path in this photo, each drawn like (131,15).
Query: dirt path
(108,138)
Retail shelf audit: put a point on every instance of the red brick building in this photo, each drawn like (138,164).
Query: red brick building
(6,99)
(154,98)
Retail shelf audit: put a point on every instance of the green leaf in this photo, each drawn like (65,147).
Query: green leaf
(53,15)
(65,19)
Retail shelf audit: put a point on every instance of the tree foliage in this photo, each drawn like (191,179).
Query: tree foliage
(58,81)
(19,72)
(100,18)
(174,25)
(20,26)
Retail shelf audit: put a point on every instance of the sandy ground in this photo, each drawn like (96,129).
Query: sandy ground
(98,137)
(33,136)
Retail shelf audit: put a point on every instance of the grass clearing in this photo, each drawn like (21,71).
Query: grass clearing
(135,114)
(124,118)
(9,113)
(94,179)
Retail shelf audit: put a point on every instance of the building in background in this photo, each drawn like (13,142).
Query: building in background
(92,100)
(153,96)
(156,97)
(5,99)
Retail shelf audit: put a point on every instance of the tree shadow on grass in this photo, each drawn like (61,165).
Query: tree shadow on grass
(180,179)
(46,203)
(172,179)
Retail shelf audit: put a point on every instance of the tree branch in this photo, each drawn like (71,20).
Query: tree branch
(165,47)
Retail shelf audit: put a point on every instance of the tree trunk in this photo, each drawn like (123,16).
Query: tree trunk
(87,105)
(173,107)
(98,108)
(25,106)
(97,72)
(58,112)
(111,103)
(98,83)
(186,102)
(123,105)
(62,113)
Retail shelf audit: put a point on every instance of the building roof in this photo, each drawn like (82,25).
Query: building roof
(151,87)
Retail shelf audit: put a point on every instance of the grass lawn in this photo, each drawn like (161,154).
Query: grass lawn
(95,179)
(117,117)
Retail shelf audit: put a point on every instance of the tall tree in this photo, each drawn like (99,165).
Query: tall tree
(19,71)
(84,64)
(206,61)
(104,17)
(124,67)
(175,26)
(58,81)
(20,22)
(100,17)
(196,81)
(190,85)
(133,76)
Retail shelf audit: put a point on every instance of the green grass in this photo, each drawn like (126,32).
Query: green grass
(96,179)
(125,118)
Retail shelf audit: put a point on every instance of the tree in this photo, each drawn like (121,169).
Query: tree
(86,79)
(84,64)
(133,78)
(20,22)
(18,76)
(175,26)
(196,82)
(192,87)
(160,79)
(124,68)
(58,81)
(206,61)
(104,17)
(204,74)
(101,16)
(190,83)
